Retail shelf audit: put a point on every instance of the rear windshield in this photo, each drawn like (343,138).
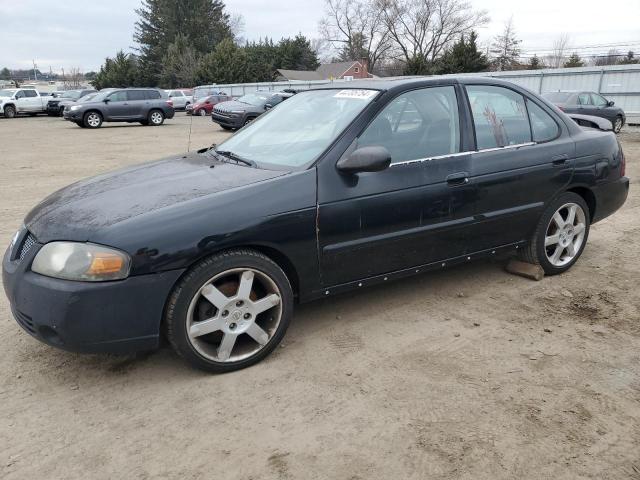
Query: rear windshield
(559,97)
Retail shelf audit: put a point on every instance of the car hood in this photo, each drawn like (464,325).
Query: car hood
(229,105)
(84,208)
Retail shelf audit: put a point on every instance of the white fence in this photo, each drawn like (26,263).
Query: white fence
(620,83)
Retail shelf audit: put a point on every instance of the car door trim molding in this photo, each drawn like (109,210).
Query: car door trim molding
(459,154)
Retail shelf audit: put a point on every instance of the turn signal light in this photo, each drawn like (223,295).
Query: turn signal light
(106,263)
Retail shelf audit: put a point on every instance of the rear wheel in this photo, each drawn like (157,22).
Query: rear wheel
(617,124)
(92,120)
(9,111)
(561,235)
(155,118)
(230,311)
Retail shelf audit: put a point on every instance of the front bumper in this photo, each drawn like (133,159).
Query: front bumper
(227,121)
(72,115)
(103,317)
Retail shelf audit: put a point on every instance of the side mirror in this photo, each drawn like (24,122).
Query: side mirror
(106,100)
(365,159)
(610,103)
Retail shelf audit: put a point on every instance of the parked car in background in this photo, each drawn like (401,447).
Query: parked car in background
(588,103)
(148,106)
(204,105)
(14,101)
(181,98)
(237,113)
(55,106)
(336,189)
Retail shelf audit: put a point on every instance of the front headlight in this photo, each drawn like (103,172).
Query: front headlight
(81,261)
(75,107)
(237,112)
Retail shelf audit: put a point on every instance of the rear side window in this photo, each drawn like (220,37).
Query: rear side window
(136,95)
(584,99)
(416,125)
(499,116)
(155,94)
(543,126)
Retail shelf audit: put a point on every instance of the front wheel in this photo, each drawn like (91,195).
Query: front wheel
(202,112)
(561,235)
(618,124)
(92,120)
(230,311)
(10,111)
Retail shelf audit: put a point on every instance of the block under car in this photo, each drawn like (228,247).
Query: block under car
(337,189)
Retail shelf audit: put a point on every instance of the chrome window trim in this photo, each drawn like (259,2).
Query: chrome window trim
(468,152)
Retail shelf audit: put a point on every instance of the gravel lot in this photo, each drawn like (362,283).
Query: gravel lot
(471,373)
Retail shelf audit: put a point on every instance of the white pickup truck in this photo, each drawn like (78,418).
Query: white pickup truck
(22,100)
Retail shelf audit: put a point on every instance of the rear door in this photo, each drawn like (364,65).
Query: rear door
(138,103)
(410,214)
(524,158)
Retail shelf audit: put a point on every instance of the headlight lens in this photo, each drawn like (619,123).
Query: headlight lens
(237,112)
(75,107)
(81,261)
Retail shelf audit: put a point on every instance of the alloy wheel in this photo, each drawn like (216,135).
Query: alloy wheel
(202,112)
(617,125)
(93,119)
(565,234)
(234,315)
(156,118)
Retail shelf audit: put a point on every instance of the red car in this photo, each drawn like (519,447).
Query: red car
(203,106)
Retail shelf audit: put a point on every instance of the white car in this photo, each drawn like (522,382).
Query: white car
(180,98)
(22,100)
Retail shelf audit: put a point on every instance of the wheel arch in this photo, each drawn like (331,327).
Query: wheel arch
(589,197)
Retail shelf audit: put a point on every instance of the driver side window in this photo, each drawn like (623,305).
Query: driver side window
(118,96)
(417,125)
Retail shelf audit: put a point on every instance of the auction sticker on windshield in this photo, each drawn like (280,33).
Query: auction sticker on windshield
(363,94)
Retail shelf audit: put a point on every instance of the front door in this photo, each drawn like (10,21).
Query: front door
(524,158)
(117,107)
(410,214)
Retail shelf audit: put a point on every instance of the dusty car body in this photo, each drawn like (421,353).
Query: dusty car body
(335,190)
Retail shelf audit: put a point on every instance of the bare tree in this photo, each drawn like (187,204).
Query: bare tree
(506,48)
(559,51)
(237,26)
(73,79)
(357,28)
(423,29)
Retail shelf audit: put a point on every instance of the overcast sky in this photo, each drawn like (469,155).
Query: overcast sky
(81,33)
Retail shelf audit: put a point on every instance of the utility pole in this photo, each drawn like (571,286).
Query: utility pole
(35,75)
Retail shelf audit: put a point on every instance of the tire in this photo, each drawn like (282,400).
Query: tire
(250,326)
(92,119)
(202,112)
(550,236)
(61,112)
(618,123)
(249,120)
(155,118)
(10,111)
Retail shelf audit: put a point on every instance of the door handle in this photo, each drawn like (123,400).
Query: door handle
(456,179)
(559,159)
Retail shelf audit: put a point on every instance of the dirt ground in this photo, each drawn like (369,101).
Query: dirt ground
(470,373)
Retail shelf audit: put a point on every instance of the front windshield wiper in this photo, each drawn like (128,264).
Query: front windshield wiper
(232,156)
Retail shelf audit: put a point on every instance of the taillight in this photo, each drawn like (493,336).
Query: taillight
(623,163)
(170,103)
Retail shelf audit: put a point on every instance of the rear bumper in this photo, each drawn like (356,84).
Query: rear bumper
(610,197)
(107,317)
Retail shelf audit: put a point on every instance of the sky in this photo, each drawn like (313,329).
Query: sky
(81,33)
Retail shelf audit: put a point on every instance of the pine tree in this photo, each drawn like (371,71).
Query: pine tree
(5,74)
(226,64)
(297,54)
(574,61)
(506,48)
(180,64)
(463,57)
(120,71)
(203,23)
(534,63)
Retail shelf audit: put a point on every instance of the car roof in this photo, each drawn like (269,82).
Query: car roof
(405,83)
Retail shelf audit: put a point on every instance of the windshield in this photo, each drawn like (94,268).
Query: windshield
(7,93)
(72,94)
(559,97)
(86,98)
(255,99)
(296,132)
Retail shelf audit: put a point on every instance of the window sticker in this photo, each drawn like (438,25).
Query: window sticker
(353,93)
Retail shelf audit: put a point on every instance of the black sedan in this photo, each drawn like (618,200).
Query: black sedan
(337,189)
(237,113)
(589,103)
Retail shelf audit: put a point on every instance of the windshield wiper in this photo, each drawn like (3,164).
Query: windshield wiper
(232,156)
